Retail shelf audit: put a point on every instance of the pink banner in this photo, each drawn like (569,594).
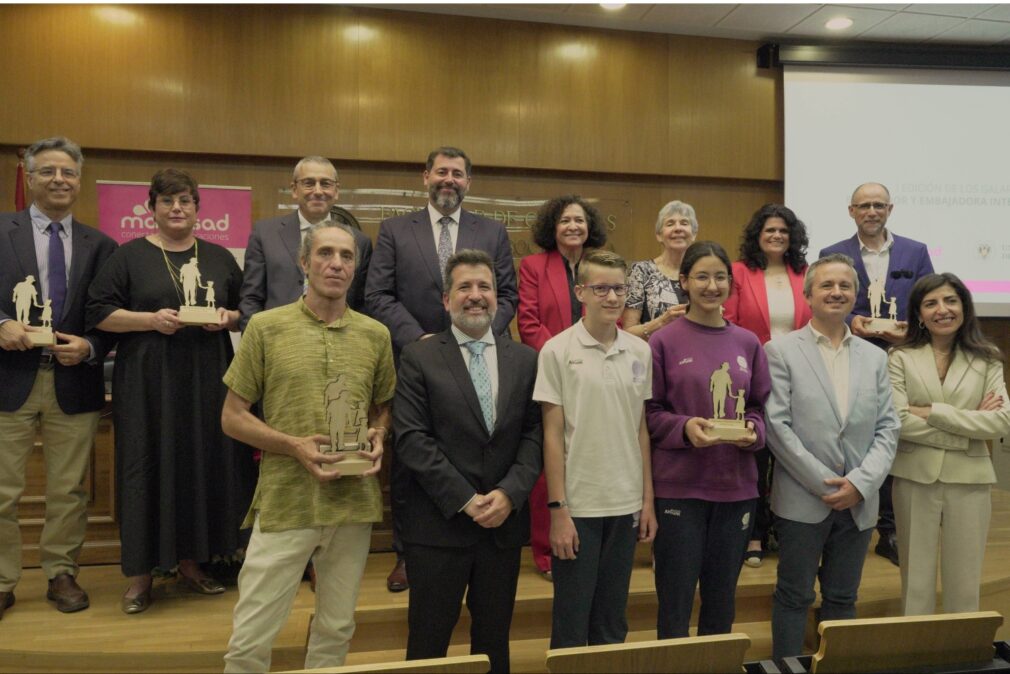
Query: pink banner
(225,215)
(988,286)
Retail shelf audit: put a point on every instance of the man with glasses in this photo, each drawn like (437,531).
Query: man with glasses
(879,255)
(592,383)
(60,386)
(272,276)
(405,286)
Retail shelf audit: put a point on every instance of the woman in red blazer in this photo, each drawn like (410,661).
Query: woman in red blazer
(768,300)
(565,228)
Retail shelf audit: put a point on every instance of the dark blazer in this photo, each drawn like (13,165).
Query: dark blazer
(747,305)
(404,288)
(272,275)
(442,442)
(905,255)
(79,388)
(545,305)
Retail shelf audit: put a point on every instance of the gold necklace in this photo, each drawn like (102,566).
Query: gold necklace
(174,272)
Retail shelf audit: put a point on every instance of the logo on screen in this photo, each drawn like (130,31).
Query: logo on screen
(983,250)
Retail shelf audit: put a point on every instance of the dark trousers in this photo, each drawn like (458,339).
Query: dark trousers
(439,577)
(399,481)
(885,518)
(831,551)
(699,543)
(591,591)
(763,517)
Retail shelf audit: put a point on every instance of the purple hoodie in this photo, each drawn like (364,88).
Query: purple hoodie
(684,356)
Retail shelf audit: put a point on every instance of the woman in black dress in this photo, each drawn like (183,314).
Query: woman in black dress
(182,486)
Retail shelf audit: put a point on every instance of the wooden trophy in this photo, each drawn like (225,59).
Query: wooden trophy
(721,386)
(878,296)
(190,313)
(348,425)
(26,297)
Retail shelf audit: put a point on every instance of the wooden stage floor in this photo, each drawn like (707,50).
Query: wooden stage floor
(185,632)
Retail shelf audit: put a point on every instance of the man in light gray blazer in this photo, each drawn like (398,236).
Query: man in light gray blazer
(833,430)
(272,275)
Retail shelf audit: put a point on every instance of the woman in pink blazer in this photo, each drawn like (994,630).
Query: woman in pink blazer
(565,228)
(768,300)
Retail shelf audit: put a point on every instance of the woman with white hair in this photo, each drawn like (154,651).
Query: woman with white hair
(655,297)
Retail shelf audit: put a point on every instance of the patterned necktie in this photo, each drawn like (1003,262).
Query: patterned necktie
(481,381)
(57,271)
(444,243)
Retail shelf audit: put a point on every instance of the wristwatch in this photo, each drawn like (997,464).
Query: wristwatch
(554,505)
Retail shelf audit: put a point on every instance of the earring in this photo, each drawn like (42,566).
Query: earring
(920,324)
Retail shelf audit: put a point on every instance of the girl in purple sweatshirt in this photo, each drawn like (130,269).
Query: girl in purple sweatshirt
(706,489)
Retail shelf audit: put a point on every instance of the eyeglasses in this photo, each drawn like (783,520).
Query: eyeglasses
(875,205)
(705,279)
(325,183)
(49,172)
(184,202)
(901,273)
(603,289)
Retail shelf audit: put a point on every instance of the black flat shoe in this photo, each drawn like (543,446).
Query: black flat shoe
(754,558)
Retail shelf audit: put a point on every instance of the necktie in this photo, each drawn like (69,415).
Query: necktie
(444,243)
(57,271)
(481,381)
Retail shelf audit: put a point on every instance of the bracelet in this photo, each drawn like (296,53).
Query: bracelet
(556,505)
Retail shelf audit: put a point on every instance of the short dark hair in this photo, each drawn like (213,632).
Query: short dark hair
(750,248)
(450,152)
(601,258)
(468,256)
(545,228)
(700,249)
(305,249)
(969,336)
(169,182)
(61,143)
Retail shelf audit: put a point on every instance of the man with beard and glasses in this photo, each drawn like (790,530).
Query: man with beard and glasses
(467,481)
(404,288)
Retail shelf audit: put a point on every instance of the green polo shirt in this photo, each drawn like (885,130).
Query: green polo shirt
(286,358)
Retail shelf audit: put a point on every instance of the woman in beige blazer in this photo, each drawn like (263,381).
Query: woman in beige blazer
(951,397)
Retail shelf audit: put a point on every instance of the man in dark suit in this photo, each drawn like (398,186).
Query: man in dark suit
(468,479)
(60,386)
(878,254)
(404,288)
(272,276)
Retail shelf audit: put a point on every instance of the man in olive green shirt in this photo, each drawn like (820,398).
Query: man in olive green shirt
(291,360)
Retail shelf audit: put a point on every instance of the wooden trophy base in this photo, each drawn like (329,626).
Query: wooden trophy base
(882,325)
(198,315)
(727,429)
(351,465)
(42,337)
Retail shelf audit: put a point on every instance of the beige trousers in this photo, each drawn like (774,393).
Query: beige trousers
(67,440)
(945,522)
(268,583)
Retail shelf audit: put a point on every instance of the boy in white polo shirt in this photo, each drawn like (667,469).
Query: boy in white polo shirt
(592,383)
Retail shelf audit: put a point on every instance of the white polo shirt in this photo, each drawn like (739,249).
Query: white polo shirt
(602,392)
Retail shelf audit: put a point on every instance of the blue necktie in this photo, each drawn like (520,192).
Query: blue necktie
(444,244)
(57,271)
(481,381)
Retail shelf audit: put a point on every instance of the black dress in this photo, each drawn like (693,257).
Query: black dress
(182,486)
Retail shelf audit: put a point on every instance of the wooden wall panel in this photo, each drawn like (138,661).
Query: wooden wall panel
(379,85)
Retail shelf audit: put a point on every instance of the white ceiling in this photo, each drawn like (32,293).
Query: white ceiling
(938,24)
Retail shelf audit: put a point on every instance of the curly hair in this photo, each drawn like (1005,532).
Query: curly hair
(750,248)
(969,337)
(545,228)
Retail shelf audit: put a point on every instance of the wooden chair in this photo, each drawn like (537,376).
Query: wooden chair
(717,653)
(911,642)
(461,664)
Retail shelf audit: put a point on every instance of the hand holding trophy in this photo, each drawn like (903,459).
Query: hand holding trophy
(737,431)
(26,297)
(347,421)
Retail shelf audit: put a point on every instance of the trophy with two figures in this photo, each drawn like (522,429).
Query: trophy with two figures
(191,313)
(878,296)
(721,386)
(26,298)
(347,421)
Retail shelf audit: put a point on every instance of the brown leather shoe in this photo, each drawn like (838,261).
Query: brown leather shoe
(68,595)
(6,601)
(397,580)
